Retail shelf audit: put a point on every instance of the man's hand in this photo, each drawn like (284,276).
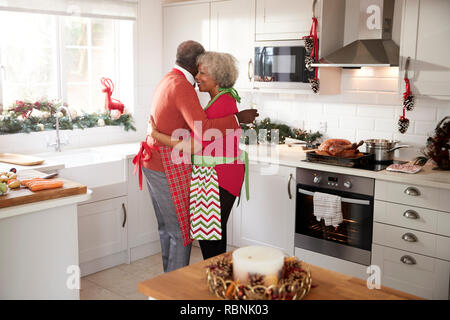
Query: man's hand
(247,116)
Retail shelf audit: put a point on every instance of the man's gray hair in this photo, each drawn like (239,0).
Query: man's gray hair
(188,52)
(222,67)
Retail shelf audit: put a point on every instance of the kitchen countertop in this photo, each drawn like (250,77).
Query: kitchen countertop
(270,155)
(190,283)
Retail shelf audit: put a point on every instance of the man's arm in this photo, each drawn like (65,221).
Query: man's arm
(191,110)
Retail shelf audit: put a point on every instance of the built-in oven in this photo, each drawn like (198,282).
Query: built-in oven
(351,239)
(280,64)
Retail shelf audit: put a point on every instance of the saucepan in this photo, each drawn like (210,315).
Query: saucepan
(382,149)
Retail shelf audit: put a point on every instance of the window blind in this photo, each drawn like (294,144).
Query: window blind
(108,9)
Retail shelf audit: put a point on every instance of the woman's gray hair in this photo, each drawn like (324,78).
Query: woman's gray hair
(221,66)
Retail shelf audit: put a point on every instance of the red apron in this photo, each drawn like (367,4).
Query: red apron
(178,178)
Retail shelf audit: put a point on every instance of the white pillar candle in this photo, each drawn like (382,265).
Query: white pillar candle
(261,260)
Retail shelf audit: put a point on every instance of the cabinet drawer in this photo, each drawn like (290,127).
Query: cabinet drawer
(412,217)
(426,277)
(419,196)
(425,243)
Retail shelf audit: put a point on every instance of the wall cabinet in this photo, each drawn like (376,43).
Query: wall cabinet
(425,38)
(268,218)
(232,31)
(282,19)
(411,239)
(181,22)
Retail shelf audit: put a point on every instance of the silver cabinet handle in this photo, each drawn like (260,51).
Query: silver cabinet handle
(411,191)
(409,237)
(408,260)
(250,70)
(411,214)
(124,215)
(289,186)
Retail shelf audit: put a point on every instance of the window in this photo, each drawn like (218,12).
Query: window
(63,57)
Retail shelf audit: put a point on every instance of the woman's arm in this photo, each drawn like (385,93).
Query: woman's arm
(189,146)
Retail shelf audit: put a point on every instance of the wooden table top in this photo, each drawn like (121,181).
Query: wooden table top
(189,283)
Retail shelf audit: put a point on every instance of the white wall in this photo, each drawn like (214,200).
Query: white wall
(368,107)
(148,57)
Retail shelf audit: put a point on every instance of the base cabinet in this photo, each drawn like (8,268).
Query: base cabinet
(413,273)
(268,218)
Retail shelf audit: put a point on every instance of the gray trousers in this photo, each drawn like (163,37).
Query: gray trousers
(174,254)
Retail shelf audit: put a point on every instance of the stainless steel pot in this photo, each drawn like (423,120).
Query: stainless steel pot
(382,149)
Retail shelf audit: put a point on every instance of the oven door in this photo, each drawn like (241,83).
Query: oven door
(351,240)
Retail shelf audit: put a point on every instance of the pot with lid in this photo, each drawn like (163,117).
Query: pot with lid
(382,149)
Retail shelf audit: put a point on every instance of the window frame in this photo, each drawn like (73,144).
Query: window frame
(61,58)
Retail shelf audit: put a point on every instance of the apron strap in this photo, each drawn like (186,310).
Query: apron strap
(138,158)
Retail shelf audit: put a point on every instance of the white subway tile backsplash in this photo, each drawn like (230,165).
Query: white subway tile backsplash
(385,125)
(389,98)
(411,139)
(349,134)
(375,111)
(357,97)
(424,127)
(356,123)
(369,134)
(419,113)
(340,109)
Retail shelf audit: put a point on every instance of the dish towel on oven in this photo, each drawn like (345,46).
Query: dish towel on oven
(328,207)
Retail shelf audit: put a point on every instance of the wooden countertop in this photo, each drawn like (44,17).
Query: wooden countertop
(189,283)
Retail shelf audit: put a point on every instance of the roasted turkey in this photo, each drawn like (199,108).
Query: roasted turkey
(340,148)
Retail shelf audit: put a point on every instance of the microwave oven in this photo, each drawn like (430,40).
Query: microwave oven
(280,64)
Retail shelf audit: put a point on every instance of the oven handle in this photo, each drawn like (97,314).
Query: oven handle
(348,200)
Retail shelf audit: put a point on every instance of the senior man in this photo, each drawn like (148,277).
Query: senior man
(175,106)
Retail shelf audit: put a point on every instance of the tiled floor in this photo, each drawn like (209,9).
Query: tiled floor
(121,282)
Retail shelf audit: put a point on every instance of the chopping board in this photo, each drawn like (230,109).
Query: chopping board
(24,195)
(20,159)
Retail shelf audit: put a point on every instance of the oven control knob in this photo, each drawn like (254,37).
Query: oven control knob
(317,179)
(347,184)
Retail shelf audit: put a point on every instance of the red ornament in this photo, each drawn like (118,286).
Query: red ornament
(110,103)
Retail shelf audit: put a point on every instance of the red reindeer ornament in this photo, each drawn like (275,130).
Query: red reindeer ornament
(110,103)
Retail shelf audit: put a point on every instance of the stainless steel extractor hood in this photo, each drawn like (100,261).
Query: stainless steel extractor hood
(374,46)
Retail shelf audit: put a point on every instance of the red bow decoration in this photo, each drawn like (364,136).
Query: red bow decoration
(110,103)
(407,92)
(139,157)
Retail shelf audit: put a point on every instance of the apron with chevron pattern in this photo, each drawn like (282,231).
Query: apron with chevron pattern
(204,203)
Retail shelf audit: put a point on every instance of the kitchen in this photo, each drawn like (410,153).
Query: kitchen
(115,227)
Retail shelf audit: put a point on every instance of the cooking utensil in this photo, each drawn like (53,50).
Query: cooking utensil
(382,149)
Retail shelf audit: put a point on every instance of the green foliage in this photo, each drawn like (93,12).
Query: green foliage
(265,130)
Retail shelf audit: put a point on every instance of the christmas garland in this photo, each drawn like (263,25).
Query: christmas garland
(25,116)
(284,131)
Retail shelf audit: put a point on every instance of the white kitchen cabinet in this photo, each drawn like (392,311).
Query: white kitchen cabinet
(411,238)
(102,232)
(268,218)
(181,22)
(142,223)
(425,38)
(232,31)
(283,19)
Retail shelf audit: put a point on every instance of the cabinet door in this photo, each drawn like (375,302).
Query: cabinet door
(232,31)
(142,223)
(268,218)
(183,22)
(283,19)
(102,228)
(425,38)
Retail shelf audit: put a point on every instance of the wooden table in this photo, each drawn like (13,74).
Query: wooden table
(189,283)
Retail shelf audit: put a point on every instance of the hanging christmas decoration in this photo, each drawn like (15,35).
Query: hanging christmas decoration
(313,57)
(403,123)
(110,103)
(408,102)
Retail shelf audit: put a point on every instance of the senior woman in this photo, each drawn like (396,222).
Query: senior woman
(217,171)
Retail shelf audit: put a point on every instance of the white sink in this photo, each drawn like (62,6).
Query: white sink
(90,166)
(79,158)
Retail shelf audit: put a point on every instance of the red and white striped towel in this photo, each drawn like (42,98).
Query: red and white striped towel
(328,207)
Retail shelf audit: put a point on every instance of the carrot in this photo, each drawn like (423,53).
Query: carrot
(44,185)
(27,181)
